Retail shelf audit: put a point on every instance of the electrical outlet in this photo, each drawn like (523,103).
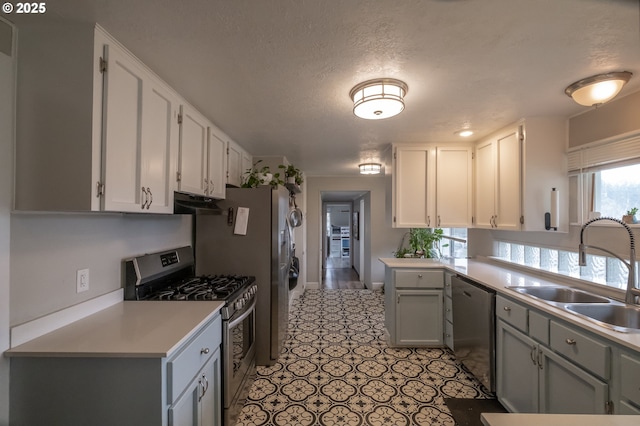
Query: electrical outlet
(82,280)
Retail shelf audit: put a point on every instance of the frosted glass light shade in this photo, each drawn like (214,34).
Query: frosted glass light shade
(598,89)
(370,168)
(378,99)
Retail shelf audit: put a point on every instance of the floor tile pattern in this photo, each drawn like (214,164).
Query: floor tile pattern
(337,369)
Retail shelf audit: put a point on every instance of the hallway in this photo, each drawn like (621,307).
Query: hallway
(337,369)
(339,275)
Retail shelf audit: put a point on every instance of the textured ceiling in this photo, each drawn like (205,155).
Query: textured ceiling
(275,74)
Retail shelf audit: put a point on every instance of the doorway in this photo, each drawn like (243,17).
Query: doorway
(342,267)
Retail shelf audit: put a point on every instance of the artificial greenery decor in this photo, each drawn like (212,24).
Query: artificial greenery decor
(255,177)
(292,172)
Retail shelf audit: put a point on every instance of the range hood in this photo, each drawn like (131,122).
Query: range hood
(194,204)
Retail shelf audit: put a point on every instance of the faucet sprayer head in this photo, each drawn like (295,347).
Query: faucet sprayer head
(582,255)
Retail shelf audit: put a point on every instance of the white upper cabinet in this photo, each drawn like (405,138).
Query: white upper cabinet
(59,116)
(238,162)
(203,159)
(432,186)
(410,186)
(516,170)
(454,193)
(194,129)
(217,165)
(140,137)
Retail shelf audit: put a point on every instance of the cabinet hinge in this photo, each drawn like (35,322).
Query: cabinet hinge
(521,220)
(180,118)
(103,65)
(178,176)
(608,407)
(99,189)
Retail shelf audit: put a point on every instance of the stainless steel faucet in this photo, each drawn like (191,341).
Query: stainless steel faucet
(633,293)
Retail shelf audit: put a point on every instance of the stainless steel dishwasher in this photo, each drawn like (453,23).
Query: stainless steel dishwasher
(474,329)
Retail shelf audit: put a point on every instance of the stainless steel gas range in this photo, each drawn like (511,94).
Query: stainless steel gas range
(169,275)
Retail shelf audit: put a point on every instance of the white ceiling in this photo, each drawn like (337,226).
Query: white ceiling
(275,74)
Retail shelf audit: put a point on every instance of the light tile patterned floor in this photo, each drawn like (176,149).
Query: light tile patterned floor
(336,369)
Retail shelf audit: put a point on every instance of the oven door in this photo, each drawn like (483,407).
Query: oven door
(239,351)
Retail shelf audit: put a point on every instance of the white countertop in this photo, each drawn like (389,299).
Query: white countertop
(509,419)
(146,329)
(498,277)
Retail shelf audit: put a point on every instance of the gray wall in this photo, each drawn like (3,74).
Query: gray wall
(47,249)
(6,185)
(384,239)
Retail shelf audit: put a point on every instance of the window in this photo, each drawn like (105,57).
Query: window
(604,179)
(617,190)
(454,248)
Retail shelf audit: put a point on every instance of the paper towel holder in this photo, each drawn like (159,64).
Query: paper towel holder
(547,215)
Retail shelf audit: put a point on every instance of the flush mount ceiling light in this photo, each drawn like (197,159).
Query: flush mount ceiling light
(598,89)
(378,99)
(370,168)
(465,133)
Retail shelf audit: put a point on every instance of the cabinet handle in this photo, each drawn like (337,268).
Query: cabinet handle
(419,275)
(206,385)
(533,355)
(540,358)
(144,198)
(150,197)
(438,221)
(206,186)
(570,341)
(507,309)
(204,351)
(428,221)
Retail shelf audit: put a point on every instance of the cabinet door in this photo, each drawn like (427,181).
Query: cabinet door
(419,318)
(247,163)
(193,152)
(234,164)
(509,195)
(122,131)
(516,370)
(159,147)
(454,187)
(217,166)
(485,185)
(567,389)
(410,188)
(200,404)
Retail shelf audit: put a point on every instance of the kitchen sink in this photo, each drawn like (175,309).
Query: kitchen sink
(618,317)
(560,294)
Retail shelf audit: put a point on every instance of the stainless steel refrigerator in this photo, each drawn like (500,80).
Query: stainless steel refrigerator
(263,249)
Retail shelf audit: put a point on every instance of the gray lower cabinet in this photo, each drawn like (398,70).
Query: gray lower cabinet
(533,379)
(628,365)
(179,390)
(200,404)
(545,366)
(414,300)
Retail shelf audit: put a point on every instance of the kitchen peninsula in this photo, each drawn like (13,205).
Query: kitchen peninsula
(580,352)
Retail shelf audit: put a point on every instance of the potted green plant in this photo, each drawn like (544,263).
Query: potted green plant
(256,176)
(425,242)
(292,174)
(630,217)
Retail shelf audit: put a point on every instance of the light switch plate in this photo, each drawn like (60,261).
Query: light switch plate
(82,280)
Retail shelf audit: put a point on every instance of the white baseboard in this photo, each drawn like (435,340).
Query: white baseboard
(377,285)
(30,330)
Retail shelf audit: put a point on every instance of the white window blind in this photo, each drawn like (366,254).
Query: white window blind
(601,155)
